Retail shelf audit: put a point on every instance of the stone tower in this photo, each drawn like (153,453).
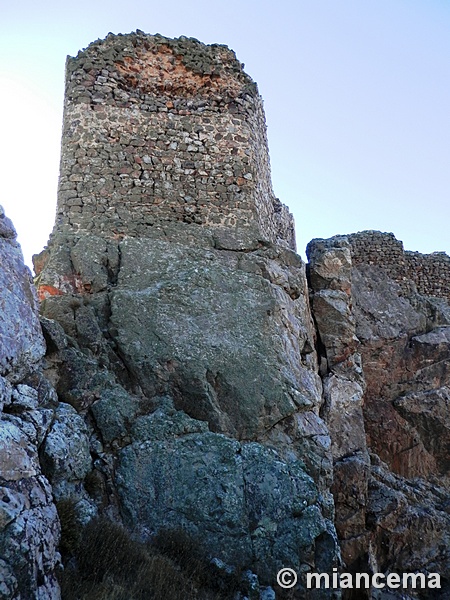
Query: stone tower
(159,129)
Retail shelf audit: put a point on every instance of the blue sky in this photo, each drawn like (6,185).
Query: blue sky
(356,93)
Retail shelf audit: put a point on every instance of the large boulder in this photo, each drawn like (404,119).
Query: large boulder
(249,505)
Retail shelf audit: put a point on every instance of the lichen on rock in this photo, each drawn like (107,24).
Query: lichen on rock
(29,526)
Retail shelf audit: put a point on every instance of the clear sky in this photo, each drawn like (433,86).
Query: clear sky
(356,93)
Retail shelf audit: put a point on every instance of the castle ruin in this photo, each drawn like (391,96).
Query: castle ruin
(194,377)
(159,129)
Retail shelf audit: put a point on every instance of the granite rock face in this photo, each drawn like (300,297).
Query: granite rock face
(196,375)
(330,275)
(388,346)
(29,525)
(21,340)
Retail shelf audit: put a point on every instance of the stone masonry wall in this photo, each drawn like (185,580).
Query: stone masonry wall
(429,272)
(156,130)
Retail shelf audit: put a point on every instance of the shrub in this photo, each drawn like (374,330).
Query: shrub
(70,527)
(187,552)
(107,550)
(106,563)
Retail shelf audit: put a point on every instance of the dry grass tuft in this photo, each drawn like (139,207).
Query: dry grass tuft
(70,527)
(106,563)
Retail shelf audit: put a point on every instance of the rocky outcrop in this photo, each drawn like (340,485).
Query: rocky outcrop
(29,526)
(330,275)
(195,373)
(44,446)
(388,347)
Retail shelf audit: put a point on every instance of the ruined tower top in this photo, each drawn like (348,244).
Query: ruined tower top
(159,129)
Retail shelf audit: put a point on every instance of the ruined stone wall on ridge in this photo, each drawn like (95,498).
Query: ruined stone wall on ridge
(429,272)
(158,129)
